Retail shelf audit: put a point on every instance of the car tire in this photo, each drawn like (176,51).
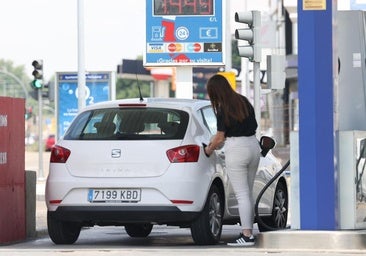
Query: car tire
(62,232)
(138,230)
(206,229)
(278,219)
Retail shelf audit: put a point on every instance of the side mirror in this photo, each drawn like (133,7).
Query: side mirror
(266,143)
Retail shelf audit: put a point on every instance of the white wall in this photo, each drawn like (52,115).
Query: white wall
(343,4)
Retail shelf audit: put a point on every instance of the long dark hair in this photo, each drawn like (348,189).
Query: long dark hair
(225,99)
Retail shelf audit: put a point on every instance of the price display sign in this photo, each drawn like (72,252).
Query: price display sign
(184,32)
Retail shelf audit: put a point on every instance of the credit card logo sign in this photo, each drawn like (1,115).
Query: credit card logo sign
(155,48)
(175,47)
(213,47)
(196,47)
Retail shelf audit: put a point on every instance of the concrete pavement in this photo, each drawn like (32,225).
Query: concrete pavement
(41,211)
(32,164)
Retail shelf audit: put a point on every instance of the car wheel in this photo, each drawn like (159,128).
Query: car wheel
(138,230)
(206,230)
(62,232)
(278,219)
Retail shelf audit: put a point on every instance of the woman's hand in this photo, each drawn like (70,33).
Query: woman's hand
(208,150)
(216,142)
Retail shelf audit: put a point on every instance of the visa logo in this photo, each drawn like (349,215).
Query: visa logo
(156,48)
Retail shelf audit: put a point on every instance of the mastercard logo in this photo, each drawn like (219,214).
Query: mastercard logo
(175,47)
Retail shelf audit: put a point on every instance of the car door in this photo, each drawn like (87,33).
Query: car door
(209,121)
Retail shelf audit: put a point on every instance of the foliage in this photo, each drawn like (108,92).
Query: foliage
(236,59)
(15,82)
(129,88)
(18,71)
(13,79)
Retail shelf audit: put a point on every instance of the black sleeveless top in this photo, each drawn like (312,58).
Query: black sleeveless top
(237,129)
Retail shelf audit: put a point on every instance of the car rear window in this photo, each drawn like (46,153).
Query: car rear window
(129,124)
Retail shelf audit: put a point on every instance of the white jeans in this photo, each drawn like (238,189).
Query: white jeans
(242,156)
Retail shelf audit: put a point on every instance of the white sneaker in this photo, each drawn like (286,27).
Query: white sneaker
(243,241)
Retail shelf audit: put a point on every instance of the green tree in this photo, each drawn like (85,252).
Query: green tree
(13,80)
(129,88)
(235,58)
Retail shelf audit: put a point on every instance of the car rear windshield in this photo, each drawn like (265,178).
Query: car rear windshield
(129,124)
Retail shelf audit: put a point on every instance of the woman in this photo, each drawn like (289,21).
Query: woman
(236,125)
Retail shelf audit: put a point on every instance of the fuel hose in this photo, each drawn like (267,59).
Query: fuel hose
(259,219)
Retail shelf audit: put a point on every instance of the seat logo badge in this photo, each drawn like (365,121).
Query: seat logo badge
(116,153)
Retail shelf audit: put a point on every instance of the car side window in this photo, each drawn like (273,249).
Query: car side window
(209,119)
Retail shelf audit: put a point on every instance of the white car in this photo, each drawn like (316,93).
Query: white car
(136,164)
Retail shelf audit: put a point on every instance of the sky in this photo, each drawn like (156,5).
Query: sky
(114,30)
(47,30)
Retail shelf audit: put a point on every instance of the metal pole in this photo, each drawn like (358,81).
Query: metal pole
(40,136)
(227,26)
(81,60)
(245,86)
(257,95)
(184,82)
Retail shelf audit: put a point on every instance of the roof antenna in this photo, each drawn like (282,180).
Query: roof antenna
(138,85)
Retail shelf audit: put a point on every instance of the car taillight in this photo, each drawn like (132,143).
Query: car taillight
(59,154)
(184,154)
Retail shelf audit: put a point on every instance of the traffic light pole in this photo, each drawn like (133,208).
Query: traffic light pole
(40,136)
(252,51)
(81,57)
(38,84)
(257,95)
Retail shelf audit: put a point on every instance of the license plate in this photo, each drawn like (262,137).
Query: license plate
(124,195)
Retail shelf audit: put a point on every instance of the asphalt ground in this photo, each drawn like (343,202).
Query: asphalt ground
(334,242)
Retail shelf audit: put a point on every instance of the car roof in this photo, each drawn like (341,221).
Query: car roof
(175,103)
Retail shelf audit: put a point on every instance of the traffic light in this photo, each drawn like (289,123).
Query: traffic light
(252,50)
(45,90)
(28,113)
(33,94)
(37,74)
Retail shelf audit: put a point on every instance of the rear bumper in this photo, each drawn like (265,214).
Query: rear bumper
(120,215)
